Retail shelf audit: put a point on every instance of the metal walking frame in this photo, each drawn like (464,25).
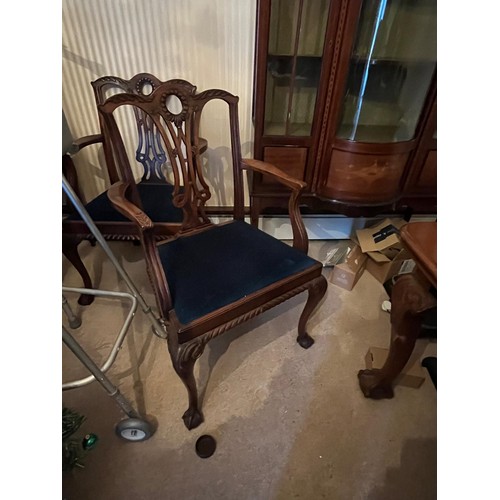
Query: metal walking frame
(135,427)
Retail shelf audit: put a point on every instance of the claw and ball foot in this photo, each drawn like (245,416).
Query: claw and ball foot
(86,300)
(305,340)
(192,418)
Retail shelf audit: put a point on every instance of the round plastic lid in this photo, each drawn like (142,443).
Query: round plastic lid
(205,446)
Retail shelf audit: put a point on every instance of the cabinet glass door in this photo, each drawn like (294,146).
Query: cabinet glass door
(296,39)
(391,68)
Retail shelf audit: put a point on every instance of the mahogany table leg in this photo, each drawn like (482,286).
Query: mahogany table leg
(411,296)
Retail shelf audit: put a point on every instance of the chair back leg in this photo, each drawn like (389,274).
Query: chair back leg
(70,251)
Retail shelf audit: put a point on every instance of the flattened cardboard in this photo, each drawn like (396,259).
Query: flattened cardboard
(412,375)
(347,273)
(378,257)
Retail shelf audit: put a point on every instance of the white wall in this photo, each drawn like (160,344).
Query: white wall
(207,42)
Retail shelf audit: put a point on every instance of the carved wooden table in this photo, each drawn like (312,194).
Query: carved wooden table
(412,294)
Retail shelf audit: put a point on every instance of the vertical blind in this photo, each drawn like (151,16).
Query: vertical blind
(207,42)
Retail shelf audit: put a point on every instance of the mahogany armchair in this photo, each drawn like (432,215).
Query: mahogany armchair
(208,278)
(153,193)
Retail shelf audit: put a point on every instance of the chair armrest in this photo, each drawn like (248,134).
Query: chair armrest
(83,142)
(116,194)
(68,167)
(300,239)
(275,172)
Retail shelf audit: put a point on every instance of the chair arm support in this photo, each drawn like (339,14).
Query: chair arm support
(116,194)
(83,142)
(300,239)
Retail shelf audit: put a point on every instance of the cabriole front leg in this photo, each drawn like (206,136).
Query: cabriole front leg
(187,355)
(316,293)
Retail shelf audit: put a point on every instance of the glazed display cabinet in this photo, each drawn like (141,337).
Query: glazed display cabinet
(345,99)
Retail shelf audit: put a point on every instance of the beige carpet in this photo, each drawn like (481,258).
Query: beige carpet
(289,423)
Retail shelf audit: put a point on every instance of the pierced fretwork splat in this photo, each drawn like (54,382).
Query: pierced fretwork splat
(191,191)
(150,153)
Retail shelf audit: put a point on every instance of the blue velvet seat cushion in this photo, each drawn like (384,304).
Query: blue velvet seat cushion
(211,269)
(156,200)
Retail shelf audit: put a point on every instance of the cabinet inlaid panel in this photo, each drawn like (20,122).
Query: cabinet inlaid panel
(357,177)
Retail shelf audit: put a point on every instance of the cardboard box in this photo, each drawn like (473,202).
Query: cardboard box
(386,255)
(384,271)
(346,271)
(412,375)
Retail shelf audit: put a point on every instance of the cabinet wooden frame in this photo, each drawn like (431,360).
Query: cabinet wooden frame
(402,159)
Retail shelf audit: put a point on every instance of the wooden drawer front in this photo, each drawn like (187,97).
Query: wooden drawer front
(291,160)
(364,178)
